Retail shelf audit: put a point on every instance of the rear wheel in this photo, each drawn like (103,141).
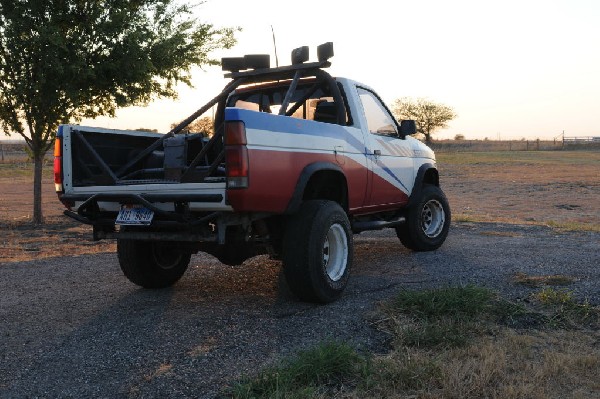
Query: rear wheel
(317,251)
(427,221)
(152,264)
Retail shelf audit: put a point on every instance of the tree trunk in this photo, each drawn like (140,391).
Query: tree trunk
(38,159)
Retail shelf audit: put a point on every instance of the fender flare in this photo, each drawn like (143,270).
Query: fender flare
(303,179)
(418,186)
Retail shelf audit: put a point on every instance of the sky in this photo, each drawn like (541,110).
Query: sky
(510,69)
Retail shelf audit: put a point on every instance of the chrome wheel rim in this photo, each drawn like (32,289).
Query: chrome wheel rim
(335,252)
(433,218)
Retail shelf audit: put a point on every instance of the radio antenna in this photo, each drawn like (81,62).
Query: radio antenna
(275,46)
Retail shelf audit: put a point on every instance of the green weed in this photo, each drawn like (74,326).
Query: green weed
(309,373)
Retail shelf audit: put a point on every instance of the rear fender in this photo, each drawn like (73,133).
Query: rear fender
(307,173)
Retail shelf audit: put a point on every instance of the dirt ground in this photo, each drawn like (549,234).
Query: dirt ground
(556,188)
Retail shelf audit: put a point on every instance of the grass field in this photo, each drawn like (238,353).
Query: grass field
(556,188)
(560,189)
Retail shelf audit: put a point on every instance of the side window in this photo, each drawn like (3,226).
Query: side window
(379,121)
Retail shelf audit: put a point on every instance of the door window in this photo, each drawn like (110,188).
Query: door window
(379,121)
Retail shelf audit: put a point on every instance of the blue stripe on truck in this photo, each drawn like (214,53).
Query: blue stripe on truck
(286,124)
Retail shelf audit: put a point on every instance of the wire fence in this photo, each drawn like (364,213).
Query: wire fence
(13,152)
(513,145)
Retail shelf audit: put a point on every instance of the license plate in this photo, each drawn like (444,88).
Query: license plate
(135,215)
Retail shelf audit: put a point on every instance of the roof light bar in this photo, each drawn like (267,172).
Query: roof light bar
(325,51)
(300,55)
(253,65)
(233,64)
(257,61)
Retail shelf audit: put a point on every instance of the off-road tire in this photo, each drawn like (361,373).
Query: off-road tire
(317,251)
(427,221)
(151,264)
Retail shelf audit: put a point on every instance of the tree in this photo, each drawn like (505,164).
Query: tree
(202,125)
(429,116)
(63,60)
(459,137)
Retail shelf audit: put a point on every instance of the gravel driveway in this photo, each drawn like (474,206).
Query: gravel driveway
(75,327)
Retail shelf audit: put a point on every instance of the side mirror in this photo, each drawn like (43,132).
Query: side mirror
(407,128)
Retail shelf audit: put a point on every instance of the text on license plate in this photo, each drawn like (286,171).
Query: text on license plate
(137,215)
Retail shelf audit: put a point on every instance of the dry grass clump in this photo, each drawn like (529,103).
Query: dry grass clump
(540,281)
(22,241)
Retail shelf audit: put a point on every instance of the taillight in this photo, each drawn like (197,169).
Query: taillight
(236,155)
(58,171)
(235,133)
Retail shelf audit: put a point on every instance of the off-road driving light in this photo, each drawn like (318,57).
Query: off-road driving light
(257,61)
(325,51)
(300,55)
(233,64)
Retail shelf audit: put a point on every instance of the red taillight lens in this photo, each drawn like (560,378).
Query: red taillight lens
(58,170)
(235,133)
(236,158)
(236,154)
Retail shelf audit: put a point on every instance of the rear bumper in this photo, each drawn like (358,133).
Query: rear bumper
(89,211)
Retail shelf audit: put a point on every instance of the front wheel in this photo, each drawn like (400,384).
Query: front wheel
(427,221)
(317,251)
(152,264)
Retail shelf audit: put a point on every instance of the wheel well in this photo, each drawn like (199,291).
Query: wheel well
(431,177)
(328,185)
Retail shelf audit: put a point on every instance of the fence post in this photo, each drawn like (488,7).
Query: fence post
(2,151)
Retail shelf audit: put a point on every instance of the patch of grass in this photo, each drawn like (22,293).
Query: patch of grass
(24,169)
(551,296)
(539,281)
(402,370)
(520,158)
(445,332)
(467,218)
(458,303)
(564,311)
(310,373)
(446,317)
(572,226)
(488,360)
(500,234)
(560,226)
(463,302)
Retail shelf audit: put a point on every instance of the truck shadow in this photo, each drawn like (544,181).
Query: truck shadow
(217,323)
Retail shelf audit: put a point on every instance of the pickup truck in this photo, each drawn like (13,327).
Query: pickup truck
(298,162)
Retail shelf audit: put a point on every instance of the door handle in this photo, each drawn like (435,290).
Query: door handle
(377,153)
